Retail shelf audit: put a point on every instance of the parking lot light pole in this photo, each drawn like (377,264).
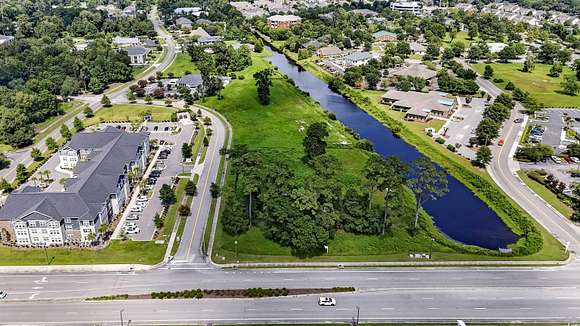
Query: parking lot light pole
(121,315)
(431,248)
(236,245)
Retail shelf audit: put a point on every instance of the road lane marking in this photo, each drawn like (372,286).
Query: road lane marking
(433,308)
(372,278)
(341,309)
(427,298)
(480,308)
(296,309)
(387,308)
(525,308)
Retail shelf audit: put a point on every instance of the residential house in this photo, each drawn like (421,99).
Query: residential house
(120,42)
(5,39)
(183,22)
(130,11)
(283,21)
(421,106)
(417,48)
(384,36)
(206,40)
(193,11)
(102,162)
(200,32)
(137,55)
(364,12)
(357,58)
(149,43)
(496,47)
(329,52)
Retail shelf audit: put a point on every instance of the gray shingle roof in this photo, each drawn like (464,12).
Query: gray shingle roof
(96,179)
(136,50)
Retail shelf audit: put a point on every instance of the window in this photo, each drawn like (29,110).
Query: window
(33,231)
(44,231)
(67,220)
(68,227)
(42,223)
(32,223)
(35,239)
(86,223)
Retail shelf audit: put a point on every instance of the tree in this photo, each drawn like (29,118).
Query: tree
(190,188)
(486,131)
(473,31)
(51,144)
(314,143)
(4,161)
(131,97)
(510,86)
(234,221)
(184,210)
(555,70)
(530,63)
(215,190)
(78,124)
(21,173)
(158,221)
(263,83)
(483,156)
(488,72)
(105,101)
(186,150)
(534,153)
(393,177)
(88,112)
(167,195)
(65,132)
(569,85)
(36,155)
(577,68)
(148,99)
(427,183)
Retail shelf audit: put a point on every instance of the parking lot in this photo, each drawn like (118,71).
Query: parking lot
(554,121)
(463,123)
(165,165)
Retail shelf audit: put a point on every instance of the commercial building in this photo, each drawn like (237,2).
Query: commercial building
(101,164)
(329,52)
(119,41)
(357,58)
(413,7)
(421,106)
(137,55)
(283,21)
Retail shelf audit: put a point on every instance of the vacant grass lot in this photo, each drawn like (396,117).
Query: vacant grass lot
(130,113)
(546,194)
(181,65)
(118,252)
(544,88)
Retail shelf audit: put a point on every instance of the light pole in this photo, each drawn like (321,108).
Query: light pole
(431,248)
(236,245)
(46,254)
(121,315)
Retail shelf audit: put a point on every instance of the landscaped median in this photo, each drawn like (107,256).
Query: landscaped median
(225,293)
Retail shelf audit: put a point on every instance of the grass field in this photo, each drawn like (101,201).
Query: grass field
(544,88)
(133,252)
(130,112)
(546,194)
(461,36)
(180,65)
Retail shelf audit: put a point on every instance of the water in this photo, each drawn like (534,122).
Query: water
(459,214)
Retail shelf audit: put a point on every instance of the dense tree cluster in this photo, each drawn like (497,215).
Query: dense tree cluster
(493,117)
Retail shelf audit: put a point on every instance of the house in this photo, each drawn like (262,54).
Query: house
(137,55)
(414,7)
(183,22)
(130,11)
(421,106)
(364,12)
(283,21)
(200,32)
(149,43)
(329,52)
(98,191)
(205,40)
(120,42)
(417,48)
(357,58)
(384,36)
(193,81)
(496,47)
(193,11)
(82,45)
(5,39)
(415,70)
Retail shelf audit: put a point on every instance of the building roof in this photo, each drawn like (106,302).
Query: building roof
(315,44)
(190,80)
(186,10)
(329,51)
(284,18)
(183,21)
(415,70)
(383,34)
(200,32)
(417,47)
(136,50)
(209,39)
(5,38)
(95,180)
(125,40)
(420,102)
(364,12)
(359,56)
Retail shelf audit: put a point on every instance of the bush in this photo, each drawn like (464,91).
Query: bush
(440,140)
(451,147)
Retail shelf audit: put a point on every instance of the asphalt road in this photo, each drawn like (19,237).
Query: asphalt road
(190,249)
(93,101)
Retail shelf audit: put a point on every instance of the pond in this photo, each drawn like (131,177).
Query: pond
(459,214)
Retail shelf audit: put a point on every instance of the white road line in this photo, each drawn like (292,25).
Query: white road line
(525,308)
(427,298)
(387,308)
(296,309)
(433,308)
(341,309)
(372,278)
(480,308)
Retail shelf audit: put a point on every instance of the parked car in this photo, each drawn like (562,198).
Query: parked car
(133,217)
(574,159)
(3,294)
(142,198)
(136,209)
(133,230)
(500,142)
(130,225)
(519,120)
(141,204)
(326,301)
(556,159)
(148,187)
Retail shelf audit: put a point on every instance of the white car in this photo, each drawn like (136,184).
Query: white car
(133,217)
(142,198)
(141,204)
(3,294)
(129,225)
(574,159)
(326,301)
(556,159)
(136,209)
(134,230)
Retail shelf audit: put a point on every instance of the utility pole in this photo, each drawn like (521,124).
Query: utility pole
(46,254)
(121,315)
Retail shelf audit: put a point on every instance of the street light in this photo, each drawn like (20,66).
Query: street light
(236,245)
(431,248)
(121,315)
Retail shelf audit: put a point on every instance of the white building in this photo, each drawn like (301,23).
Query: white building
(414,7)
(137,55)
(119,41)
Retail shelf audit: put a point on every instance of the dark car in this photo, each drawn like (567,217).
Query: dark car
(519,120)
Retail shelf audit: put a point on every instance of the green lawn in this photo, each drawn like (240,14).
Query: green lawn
(546,194)
(461,36)
(543,87)
(133,252)
(180,65)
(130,112)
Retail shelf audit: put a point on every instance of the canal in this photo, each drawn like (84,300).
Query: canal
(459,214)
